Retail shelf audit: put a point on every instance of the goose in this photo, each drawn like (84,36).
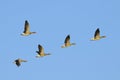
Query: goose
(26,31)
(97,35)
(18,61)
(41,52)
(67,42)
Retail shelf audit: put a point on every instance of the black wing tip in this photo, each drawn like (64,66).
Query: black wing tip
(68,36)
(26,21)
(16,60)
(37,51)
(97,29)
(39,45)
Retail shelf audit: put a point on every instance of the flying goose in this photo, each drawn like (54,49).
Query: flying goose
(67,42)
(18,61)
(41,52)
(26,31)
(97,35)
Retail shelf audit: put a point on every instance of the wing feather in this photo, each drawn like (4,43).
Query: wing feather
(17,62)
(67,39)
(41,50)
(26,27)
(97,33)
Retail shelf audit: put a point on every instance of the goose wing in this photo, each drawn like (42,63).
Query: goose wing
(97,33)
(26,27)
(41,50)
(67,40)
(17,62)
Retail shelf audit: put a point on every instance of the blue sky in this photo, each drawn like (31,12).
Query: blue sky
(53,20)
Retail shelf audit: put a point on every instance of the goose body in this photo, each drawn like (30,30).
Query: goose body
(97,35)
(27,31)
(67,42)
(41,52)
(18,61)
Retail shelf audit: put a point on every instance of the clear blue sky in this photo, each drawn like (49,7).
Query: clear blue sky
(53,20)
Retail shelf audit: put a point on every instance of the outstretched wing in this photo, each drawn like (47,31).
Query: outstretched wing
(67,39)
(17,62)
(97,33)
(41,50)
(26,27)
